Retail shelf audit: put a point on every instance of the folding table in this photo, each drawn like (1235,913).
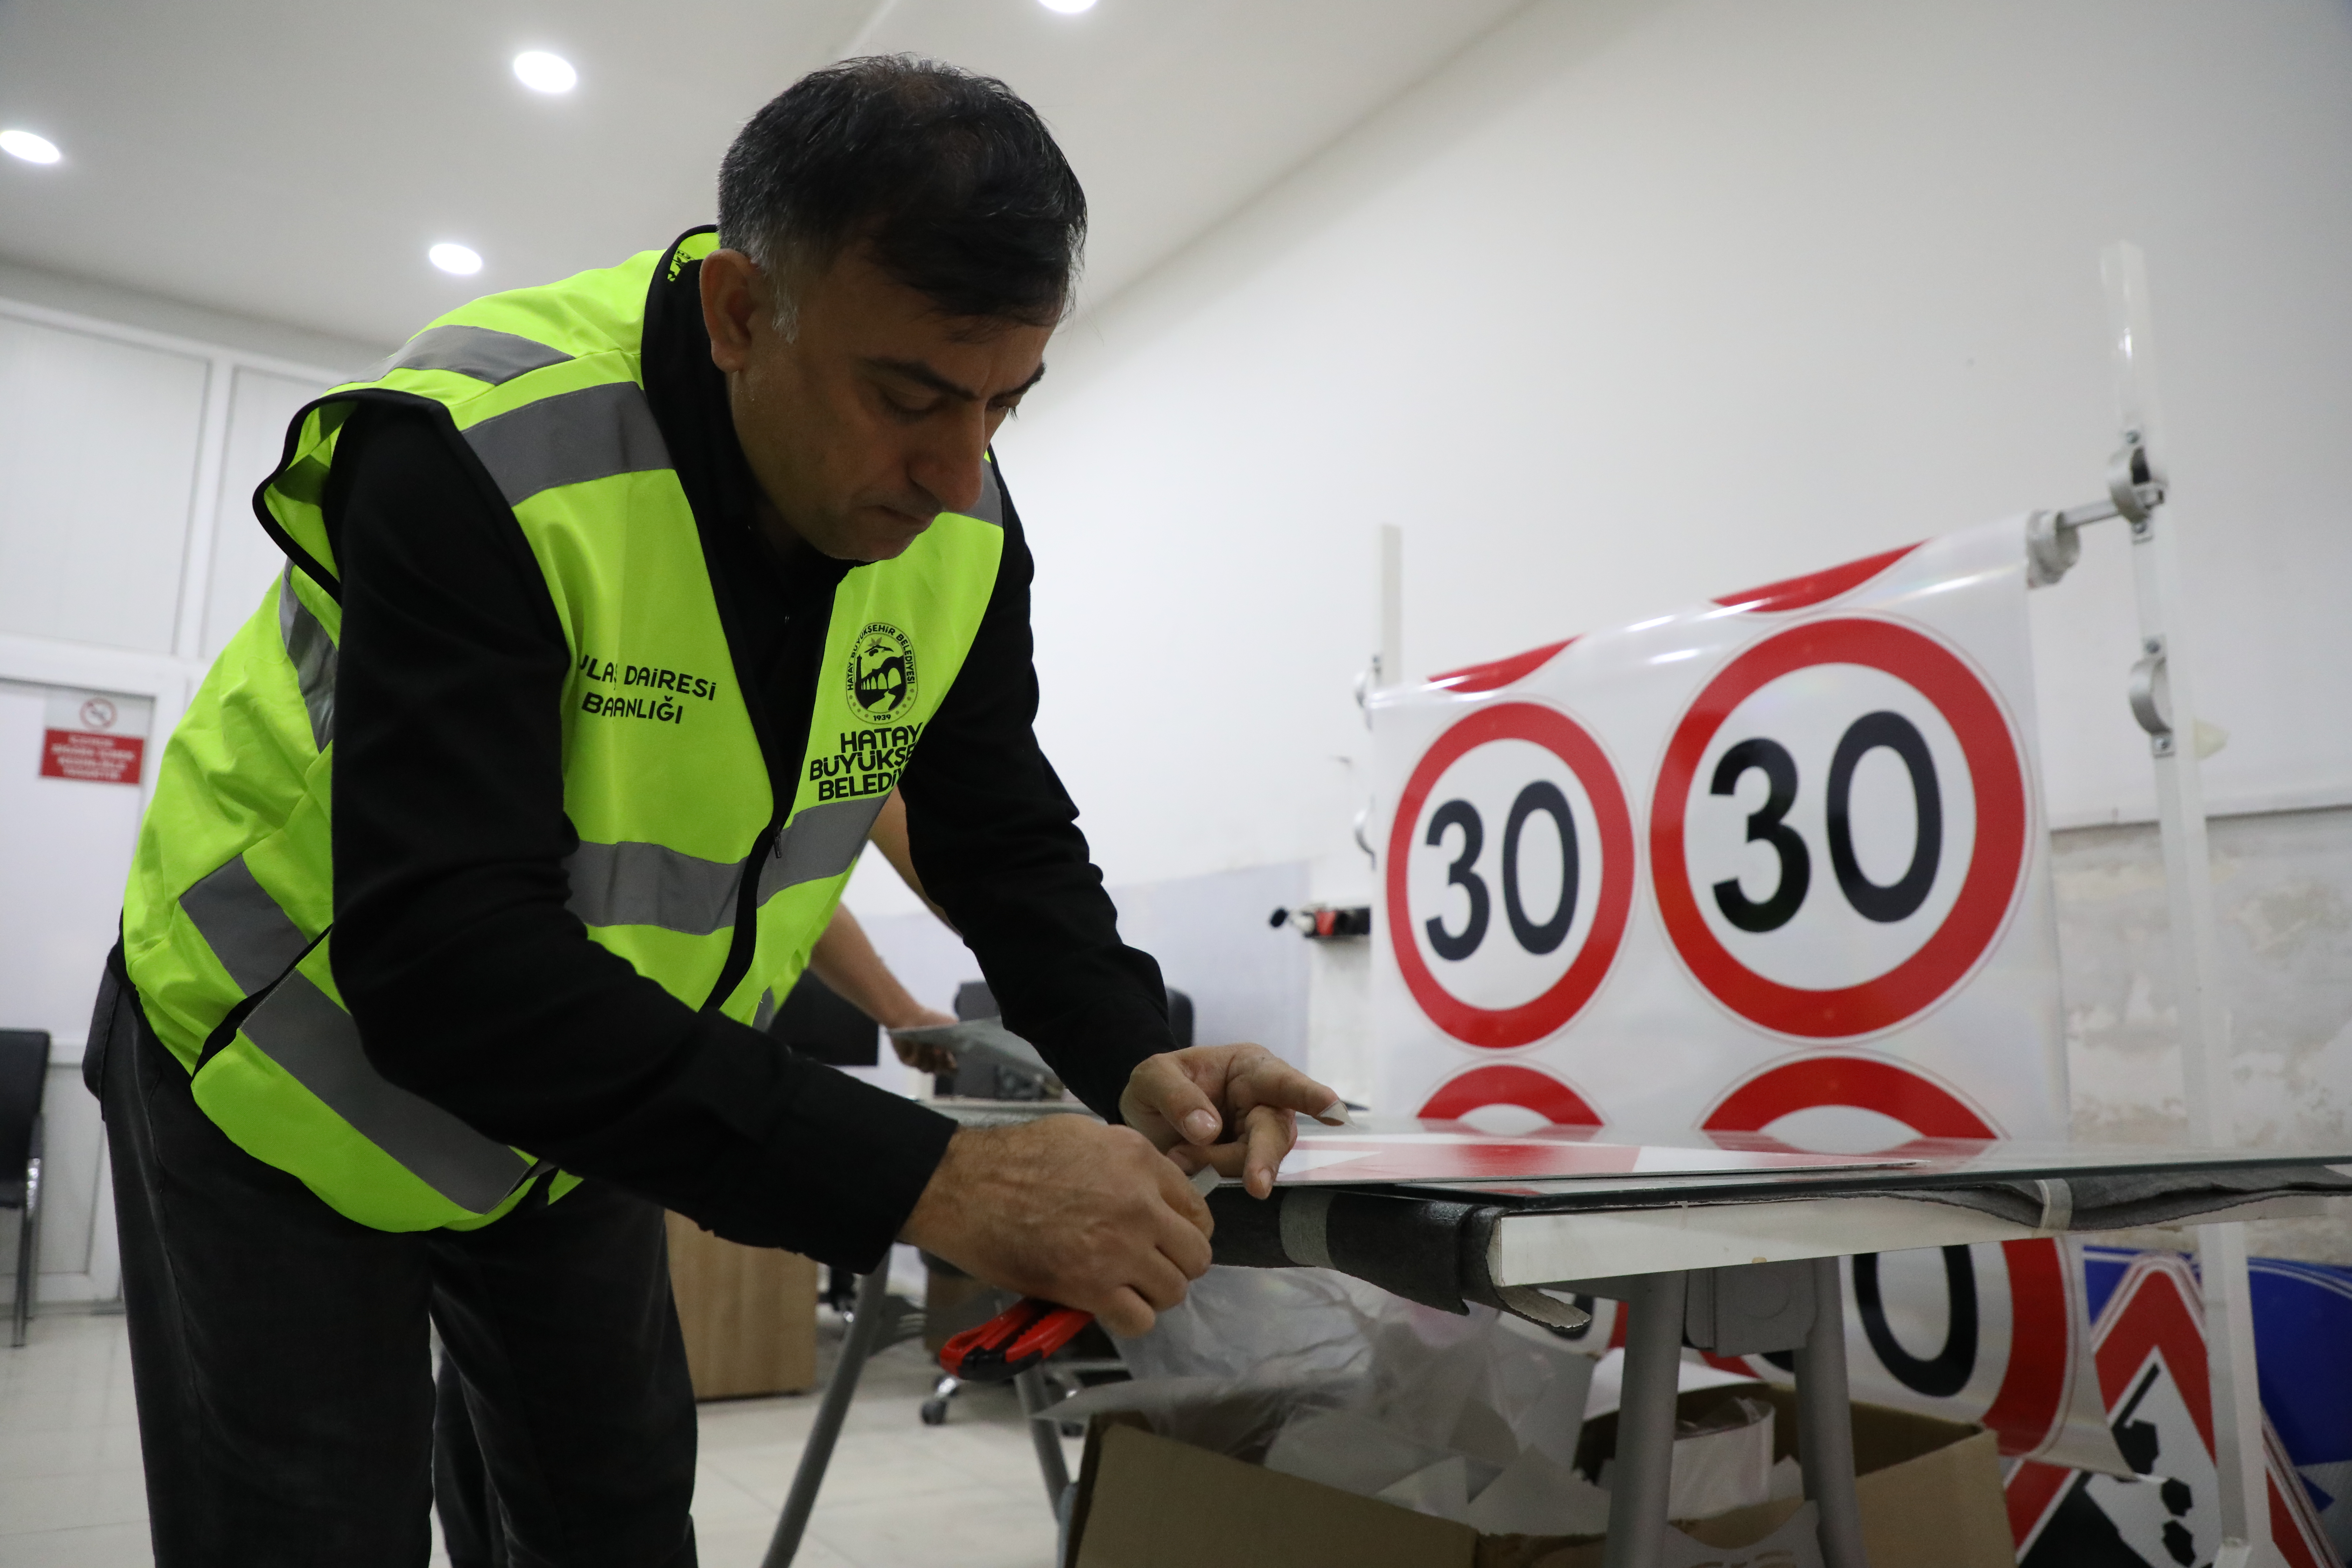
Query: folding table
(1742,1261)
(1737,1261)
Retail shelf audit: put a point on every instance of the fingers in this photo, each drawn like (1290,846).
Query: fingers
(1182,1246)
(1267,1135)
(1159,1282)
(1225,1159)
(1125,1314)
(1180,1195)
(1162,1095)
(1267,1080)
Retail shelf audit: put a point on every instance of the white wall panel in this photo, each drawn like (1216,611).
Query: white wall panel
(245,559)
(99,442)
(1639,303)
(63,861)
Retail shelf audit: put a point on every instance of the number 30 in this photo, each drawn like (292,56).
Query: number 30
(1537,937)
(1884,903)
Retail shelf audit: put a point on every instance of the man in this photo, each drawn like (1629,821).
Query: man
(613,609)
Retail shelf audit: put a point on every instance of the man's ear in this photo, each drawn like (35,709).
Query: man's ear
(733,303)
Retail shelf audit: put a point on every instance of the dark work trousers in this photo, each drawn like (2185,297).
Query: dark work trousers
(280,1356)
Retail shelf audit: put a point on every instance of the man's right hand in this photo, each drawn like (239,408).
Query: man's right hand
(1072,1211)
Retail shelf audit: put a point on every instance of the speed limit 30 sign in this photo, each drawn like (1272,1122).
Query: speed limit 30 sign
(1838,830)
(1848,932)
(1510,874)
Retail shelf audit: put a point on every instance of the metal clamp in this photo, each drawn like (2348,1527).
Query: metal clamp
(2135,489)
(2151,697)
(2135,484)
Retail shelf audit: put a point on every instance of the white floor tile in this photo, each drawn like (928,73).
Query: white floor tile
(897,1493)
(88,1546)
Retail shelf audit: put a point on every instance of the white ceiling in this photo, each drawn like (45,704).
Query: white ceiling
(293,161)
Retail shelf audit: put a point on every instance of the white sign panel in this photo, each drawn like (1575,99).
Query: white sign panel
(1795,825)
(1772,865)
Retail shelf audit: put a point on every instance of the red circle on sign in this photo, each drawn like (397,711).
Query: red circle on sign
(1500,1029)
(1996,864)
(2026,1409)
(1507,1083)
(1865,1083)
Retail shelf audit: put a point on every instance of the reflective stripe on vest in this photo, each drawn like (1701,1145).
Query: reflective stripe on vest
(301,1029)
(653,885)
(569,439)
(477,351)
(244,926)
(312,653)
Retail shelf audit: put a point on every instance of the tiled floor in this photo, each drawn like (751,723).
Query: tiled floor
(898,1492)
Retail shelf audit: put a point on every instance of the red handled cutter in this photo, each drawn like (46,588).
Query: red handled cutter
(1029,1331)
(1013,1342)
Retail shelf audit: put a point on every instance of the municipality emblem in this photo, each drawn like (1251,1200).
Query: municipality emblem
(881,674)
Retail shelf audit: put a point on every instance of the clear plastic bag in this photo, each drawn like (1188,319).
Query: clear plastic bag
(1322,1376)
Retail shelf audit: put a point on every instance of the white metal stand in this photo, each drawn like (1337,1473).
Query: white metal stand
(2163,701)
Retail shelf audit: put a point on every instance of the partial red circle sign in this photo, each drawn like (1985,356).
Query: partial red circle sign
(1507,1083)
(1996,864)
(1500,1029)
(1864,1083)
(2029,1407)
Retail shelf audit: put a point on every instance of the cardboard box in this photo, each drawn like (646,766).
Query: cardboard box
(1930,1493)
(749,1314)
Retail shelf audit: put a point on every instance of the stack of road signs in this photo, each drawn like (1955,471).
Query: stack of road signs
(2150,1347)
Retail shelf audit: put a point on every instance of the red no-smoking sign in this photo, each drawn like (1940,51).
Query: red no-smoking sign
(1839,828)
(1509,875)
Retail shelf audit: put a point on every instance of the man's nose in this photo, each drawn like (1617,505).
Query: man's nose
(950,468)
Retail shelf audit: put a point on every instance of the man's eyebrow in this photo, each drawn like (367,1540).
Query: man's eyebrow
(915,369)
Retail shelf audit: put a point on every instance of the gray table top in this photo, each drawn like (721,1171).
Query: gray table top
(1931,1164)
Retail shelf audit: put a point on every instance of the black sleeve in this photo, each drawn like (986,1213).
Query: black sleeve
(996,842)
(471,982)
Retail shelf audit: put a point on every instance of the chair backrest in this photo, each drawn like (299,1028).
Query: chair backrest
(23,1069)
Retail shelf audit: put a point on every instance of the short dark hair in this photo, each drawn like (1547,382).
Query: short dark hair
(952,180)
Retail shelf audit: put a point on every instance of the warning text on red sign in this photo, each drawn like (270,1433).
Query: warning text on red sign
(93,758)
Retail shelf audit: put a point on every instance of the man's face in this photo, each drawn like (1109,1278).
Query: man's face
(871,418)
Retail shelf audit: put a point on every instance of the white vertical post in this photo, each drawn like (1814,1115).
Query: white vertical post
(2164,696)
(1388,662)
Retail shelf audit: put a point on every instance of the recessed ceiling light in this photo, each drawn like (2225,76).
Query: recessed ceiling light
(542,72)
(31,148)
(1067,7)
(461,259)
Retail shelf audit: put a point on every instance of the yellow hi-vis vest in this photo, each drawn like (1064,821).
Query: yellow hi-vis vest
(691,865)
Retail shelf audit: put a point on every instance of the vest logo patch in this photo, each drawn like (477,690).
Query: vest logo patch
(881,676)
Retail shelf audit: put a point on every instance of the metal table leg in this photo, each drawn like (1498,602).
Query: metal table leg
(1046,1433)
(864,1338)
(1645,1421)
(1825,1423)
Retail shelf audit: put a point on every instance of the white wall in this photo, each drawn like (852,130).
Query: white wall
(128,553)
(1638,304)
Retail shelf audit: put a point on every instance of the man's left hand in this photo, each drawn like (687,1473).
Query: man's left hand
(1234,1108)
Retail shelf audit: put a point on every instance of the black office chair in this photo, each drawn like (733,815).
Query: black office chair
(23,1069)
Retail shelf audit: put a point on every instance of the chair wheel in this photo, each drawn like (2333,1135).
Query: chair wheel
(935,1413)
